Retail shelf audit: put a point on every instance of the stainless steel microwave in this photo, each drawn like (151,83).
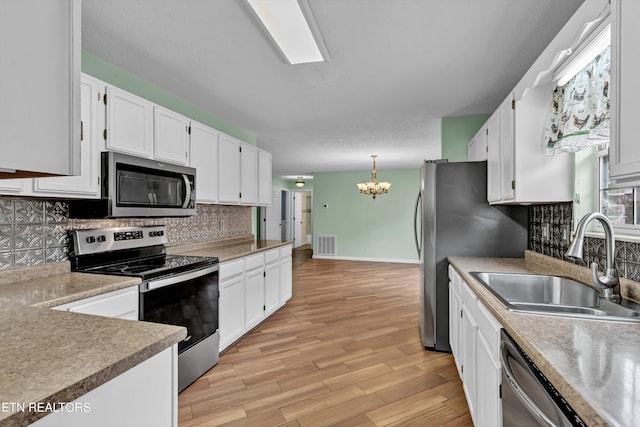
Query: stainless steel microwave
(138,187)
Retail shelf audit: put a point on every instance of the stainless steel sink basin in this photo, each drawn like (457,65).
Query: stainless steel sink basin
(560,296)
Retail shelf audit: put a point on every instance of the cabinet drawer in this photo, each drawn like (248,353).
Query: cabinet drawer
(254,261)
(271,256)
(489,328)
(469,299)
(231,268)
(285,251)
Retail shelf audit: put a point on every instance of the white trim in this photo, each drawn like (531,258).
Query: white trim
(367,259)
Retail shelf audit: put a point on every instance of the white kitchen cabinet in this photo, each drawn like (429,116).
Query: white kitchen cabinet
(264,178)
(477,149)
(271,281)
(204,157)
(455,318)
(518,168)
(129,123)
(154,383)
(229,169)
(254,290)
(488,370)
(286,279)
(87,184)
(624,160)
(122,304)
(475,344)
(40,95)
(248,174)
(14,186)
(469,336)
(231,302)
(170,136)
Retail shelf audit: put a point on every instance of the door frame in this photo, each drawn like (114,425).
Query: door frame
(292,194)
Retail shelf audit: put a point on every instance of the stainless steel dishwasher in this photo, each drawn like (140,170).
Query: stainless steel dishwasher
(528,398)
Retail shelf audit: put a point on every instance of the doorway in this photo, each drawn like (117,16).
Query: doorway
(275,218)
(301,218)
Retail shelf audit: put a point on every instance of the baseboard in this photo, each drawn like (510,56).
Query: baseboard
(352,258)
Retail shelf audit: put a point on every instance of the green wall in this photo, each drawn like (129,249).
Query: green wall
(456,134)
(367,228)
(103,70)
(288,184)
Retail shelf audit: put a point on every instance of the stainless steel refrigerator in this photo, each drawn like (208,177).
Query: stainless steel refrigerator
(453,218)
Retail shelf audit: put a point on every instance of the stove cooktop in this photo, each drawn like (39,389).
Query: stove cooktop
(154,267)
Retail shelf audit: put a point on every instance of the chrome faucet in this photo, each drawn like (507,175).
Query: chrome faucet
(608,284)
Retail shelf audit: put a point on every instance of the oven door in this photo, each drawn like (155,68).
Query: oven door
(188,299)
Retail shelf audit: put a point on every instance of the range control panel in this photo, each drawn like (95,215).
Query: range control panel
(93,241)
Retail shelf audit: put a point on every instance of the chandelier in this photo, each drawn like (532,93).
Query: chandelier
(373,187)
(299,182)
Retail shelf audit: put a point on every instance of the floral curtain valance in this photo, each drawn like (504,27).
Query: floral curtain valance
(579,113)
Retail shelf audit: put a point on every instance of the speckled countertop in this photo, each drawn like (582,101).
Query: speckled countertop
(228,249)
(594,364)
(55,356)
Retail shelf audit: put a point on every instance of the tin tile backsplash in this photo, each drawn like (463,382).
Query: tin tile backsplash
(35,231)
(550,230)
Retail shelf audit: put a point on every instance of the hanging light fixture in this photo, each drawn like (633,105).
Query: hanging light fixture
(299,182)
(373,187)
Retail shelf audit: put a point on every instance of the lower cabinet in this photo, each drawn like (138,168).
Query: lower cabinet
(122,304)
(154,383)
(475,344)
(251,289)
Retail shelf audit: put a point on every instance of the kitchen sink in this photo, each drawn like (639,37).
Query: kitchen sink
(554,295)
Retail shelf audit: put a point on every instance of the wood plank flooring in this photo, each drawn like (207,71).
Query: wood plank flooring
(344,351)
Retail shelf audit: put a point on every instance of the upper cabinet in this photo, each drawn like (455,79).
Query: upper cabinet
(229,169)
(477,150)
(624,161)
(204,157)
(129,123)
(248,174)
(42,118)
(170,136)
(87,184)
(264,178)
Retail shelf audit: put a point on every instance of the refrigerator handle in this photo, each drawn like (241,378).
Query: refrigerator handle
(415,223)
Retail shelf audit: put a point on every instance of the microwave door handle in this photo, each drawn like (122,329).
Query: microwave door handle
(187,196)
(151,198)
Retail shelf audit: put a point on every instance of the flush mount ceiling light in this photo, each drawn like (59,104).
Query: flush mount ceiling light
(373,187)
(299,182)
(292,27)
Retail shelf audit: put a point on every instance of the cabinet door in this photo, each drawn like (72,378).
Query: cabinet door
(249,175)
(14,186)
(91,119)
(254,297)
(471,150)
(493,157)
(264,178)
(231,309)
(286,279)
(481,143)
(204,157)
(229,169)
(271,287)
(170,136)
(455,320)
(40,93)
(507,183)
(129,123)
(488,403)
(624,166)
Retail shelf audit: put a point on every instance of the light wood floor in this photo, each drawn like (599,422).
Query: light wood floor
(344,351)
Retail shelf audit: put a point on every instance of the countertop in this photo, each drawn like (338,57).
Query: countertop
(229,249)
(53,356)
(594,364)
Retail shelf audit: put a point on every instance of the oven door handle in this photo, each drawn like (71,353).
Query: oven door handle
(506,351)
(178,278)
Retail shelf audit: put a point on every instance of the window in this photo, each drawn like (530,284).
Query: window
(620,205)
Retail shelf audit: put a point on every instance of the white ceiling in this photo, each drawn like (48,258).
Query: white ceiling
(395,68)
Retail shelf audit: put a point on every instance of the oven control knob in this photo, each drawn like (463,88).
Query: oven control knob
(102,238)
(91,239)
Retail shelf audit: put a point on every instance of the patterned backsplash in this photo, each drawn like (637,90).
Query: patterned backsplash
(35,231)
(550,230)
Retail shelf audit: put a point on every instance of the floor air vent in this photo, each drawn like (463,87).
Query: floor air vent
(326,245)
